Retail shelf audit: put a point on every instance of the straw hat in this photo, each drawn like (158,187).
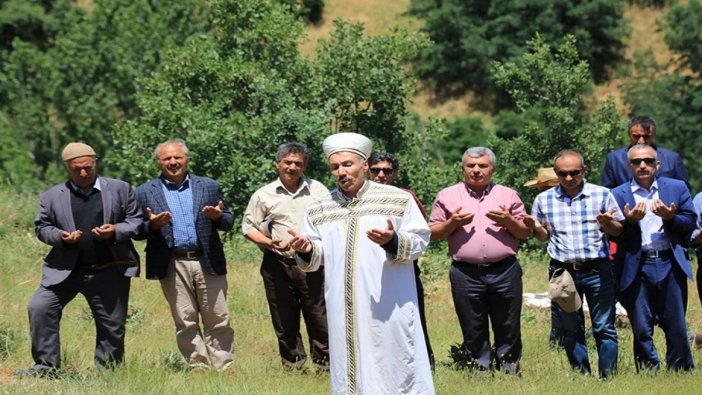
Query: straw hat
(545,177)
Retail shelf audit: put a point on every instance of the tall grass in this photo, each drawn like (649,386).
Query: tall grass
(153,366)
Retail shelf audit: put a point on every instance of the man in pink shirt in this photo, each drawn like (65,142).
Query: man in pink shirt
(482,222)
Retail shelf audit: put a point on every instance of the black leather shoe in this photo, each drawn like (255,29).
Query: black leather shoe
(39,371)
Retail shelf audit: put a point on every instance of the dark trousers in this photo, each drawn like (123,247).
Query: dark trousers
(107,294)
(659,294)
(290,291)
(494,292)
(422,315)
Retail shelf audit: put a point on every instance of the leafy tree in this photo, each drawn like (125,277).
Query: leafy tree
(674,98)
(311,10)
(85,79)
(422,170)
(27,20)
(463,132)
(549,84)
(15,162)
(683,33)
(239,91)
(650,3)
(363,84)
(469,35)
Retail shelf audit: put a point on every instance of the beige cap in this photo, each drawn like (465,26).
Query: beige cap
(76,150)
(562,291)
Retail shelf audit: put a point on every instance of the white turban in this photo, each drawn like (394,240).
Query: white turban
(352,142)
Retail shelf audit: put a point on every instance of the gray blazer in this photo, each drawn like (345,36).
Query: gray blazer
(120,208)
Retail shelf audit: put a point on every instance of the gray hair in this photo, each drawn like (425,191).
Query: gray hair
(638,147)
(477,152)
(177,142)
(569,152)
(292,148)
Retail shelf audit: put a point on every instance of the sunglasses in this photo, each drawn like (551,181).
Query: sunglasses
(648,161)
(385,170)
(572,173)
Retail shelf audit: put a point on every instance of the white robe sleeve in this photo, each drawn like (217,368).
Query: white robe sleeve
(310,231)
(412,234)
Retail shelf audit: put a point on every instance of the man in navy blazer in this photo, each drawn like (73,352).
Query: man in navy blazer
(89,222)
(652,262)
(185,253)
(642,130)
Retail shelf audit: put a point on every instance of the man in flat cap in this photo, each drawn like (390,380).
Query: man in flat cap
(366,236)
(89,222)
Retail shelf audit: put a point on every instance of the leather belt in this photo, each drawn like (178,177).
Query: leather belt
(283,259)
(187,254)
(509,259)
(578,265)
(653,254)
(101,266)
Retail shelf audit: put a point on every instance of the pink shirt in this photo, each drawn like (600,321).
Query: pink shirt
(482,240)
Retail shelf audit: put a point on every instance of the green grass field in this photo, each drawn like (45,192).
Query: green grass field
(152,365)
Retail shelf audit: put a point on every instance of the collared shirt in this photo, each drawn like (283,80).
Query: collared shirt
(79,191)
(697,202)
(363,189)
(482,240)
(180,204)
(653,236)
(574,233)
(273,209)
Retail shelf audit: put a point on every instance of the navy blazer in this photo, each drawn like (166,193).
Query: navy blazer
(616,168)
(119,207)
(678,230)
(159,244)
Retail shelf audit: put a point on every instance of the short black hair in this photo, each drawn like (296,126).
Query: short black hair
(292,148)
(384,157)
(648,124)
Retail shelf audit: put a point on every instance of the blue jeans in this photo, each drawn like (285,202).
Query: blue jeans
(596,283)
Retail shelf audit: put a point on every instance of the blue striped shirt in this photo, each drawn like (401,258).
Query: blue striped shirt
(180,203)
(574,233)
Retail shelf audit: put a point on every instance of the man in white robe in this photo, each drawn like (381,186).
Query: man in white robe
(366,236)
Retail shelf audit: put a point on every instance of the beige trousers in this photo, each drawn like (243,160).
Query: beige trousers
(194,294)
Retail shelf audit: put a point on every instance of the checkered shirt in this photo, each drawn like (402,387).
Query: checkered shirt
(574,233)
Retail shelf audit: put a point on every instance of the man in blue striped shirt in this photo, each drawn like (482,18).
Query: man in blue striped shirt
(575,217)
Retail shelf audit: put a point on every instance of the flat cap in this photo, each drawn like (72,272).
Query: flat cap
(76,150)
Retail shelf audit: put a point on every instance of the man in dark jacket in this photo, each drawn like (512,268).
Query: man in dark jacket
(652,259)
(89,222)
(184,252)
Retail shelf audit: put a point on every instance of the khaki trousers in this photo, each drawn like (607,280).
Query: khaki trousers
(194,294)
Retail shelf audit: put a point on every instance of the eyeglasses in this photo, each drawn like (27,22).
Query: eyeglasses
(648,161)
(572,173)
(386,170)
